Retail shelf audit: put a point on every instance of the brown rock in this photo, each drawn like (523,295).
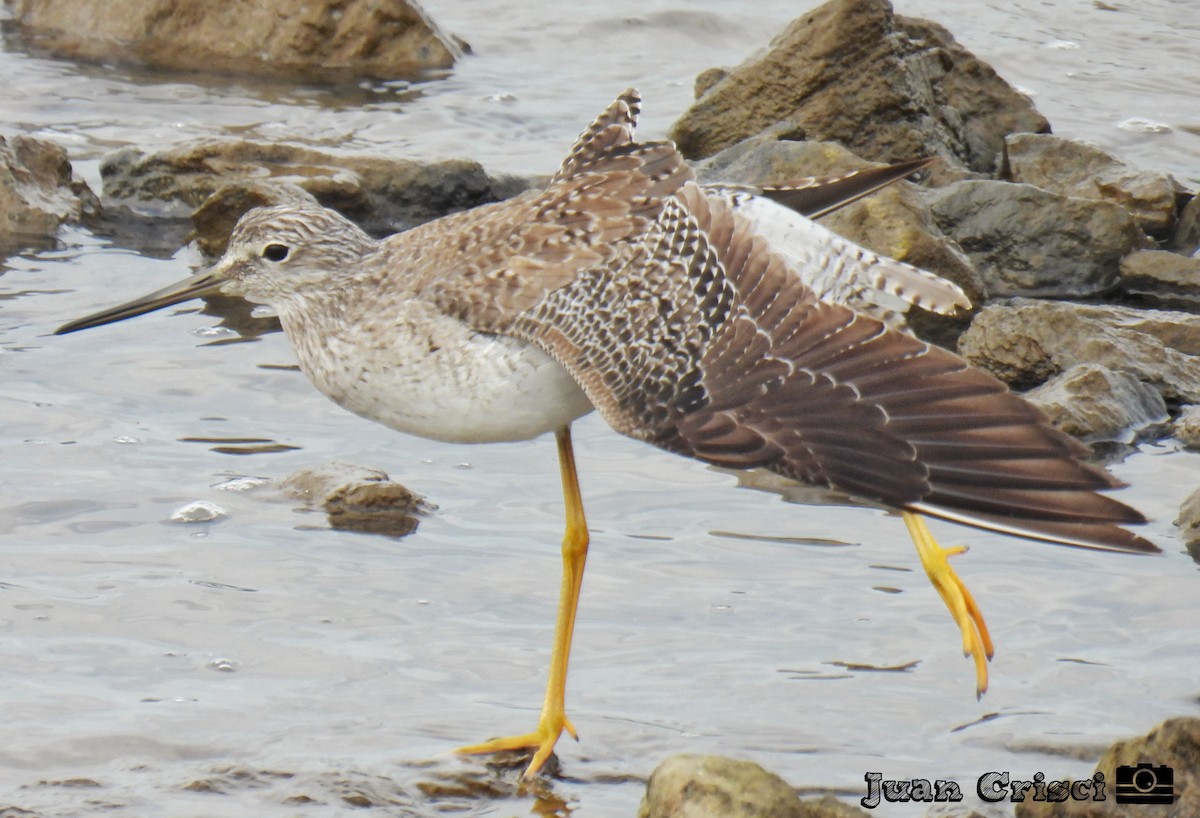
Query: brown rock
(38,191)
(1174,744)
(1073,168)
(1188,522)
(1167,279)
(359,499)
(888,87)
(1027,241)
(1186,427)
(1093,402)
(695,786)
(1187,228)
(1025,342)
(383,195)
(334,39)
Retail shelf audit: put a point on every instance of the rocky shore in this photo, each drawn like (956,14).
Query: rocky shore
(1083,270)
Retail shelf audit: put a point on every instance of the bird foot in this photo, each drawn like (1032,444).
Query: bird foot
(541,741)
(977,642)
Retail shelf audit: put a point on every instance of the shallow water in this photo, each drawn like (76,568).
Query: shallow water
(264,665)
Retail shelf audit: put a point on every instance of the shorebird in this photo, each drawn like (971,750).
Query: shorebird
(714,322)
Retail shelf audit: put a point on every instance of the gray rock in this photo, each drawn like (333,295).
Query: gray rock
(1027,241)
(1186,427)
(1164,278)
(333,39)
(359,499)
(1073,168)
(1095,403)
(694,786)
(1026,342)
(38,191)
(384,195)
(1175,743)
(888,87)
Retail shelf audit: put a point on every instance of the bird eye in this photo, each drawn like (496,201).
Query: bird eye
(275,252)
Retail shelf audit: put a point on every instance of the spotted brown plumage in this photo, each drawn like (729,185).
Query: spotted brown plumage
(682,314)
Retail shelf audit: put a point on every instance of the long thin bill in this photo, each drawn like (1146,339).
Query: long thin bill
(197,286)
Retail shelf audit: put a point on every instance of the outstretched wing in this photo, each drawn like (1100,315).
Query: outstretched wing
(835,268)
(704,343)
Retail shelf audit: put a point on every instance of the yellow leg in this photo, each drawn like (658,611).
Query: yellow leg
(976,641)
(574,550)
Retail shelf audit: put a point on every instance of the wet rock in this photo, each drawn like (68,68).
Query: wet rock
(214,220)
(1025,342)
(695,786)
(1027,241)
(1073,168)
(383,195)
(200,511)
(895,221)
(1093,402)
(1187,228)
(38,191)
(1174,743)
(329,39)
(359,499)
(1161,277)
(888,87)
(1188,523)
(1186,427)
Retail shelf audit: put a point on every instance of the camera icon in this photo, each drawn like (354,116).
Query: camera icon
(1145,784)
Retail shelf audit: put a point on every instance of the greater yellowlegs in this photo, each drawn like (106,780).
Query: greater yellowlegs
(692,318)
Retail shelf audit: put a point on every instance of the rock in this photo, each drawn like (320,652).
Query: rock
(383,195)
(1174,744)
(1186,427)
(888,87)
(1164,278)
(38,190)
(1187,228)
(1188,523)
(214,220)
(695,786)
(1095,403)
(1027,241)
(317,39)
(359,499)
(1073,168)
(1025,342)
(895,221)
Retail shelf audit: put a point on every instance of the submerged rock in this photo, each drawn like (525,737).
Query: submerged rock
(1073,168)
(324,39)
(1027,241)
(359,499)
(38,190)
(888,87)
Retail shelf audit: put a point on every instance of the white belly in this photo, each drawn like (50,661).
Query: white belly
(439,380)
